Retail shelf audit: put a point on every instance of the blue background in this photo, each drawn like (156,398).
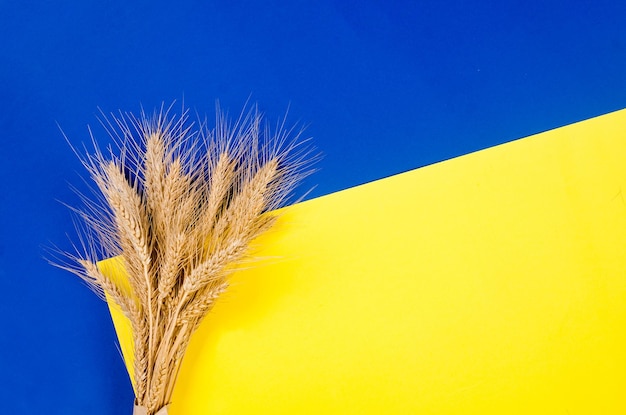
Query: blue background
(384,87)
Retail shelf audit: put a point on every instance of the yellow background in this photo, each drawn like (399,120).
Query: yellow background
(492,283)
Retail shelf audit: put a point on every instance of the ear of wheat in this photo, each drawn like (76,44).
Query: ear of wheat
(180,207)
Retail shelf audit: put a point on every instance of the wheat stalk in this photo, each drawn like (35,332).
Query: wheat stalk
(180,208)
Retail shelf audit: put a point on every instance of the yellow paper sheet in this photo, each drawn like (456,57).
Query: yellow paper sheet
(493,283)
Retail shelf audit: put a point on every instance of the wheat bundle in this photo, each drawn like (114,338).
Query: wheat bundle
(180,207)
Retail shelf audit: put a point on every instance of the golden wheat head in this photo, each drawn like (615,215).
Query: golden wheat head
(179,205)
